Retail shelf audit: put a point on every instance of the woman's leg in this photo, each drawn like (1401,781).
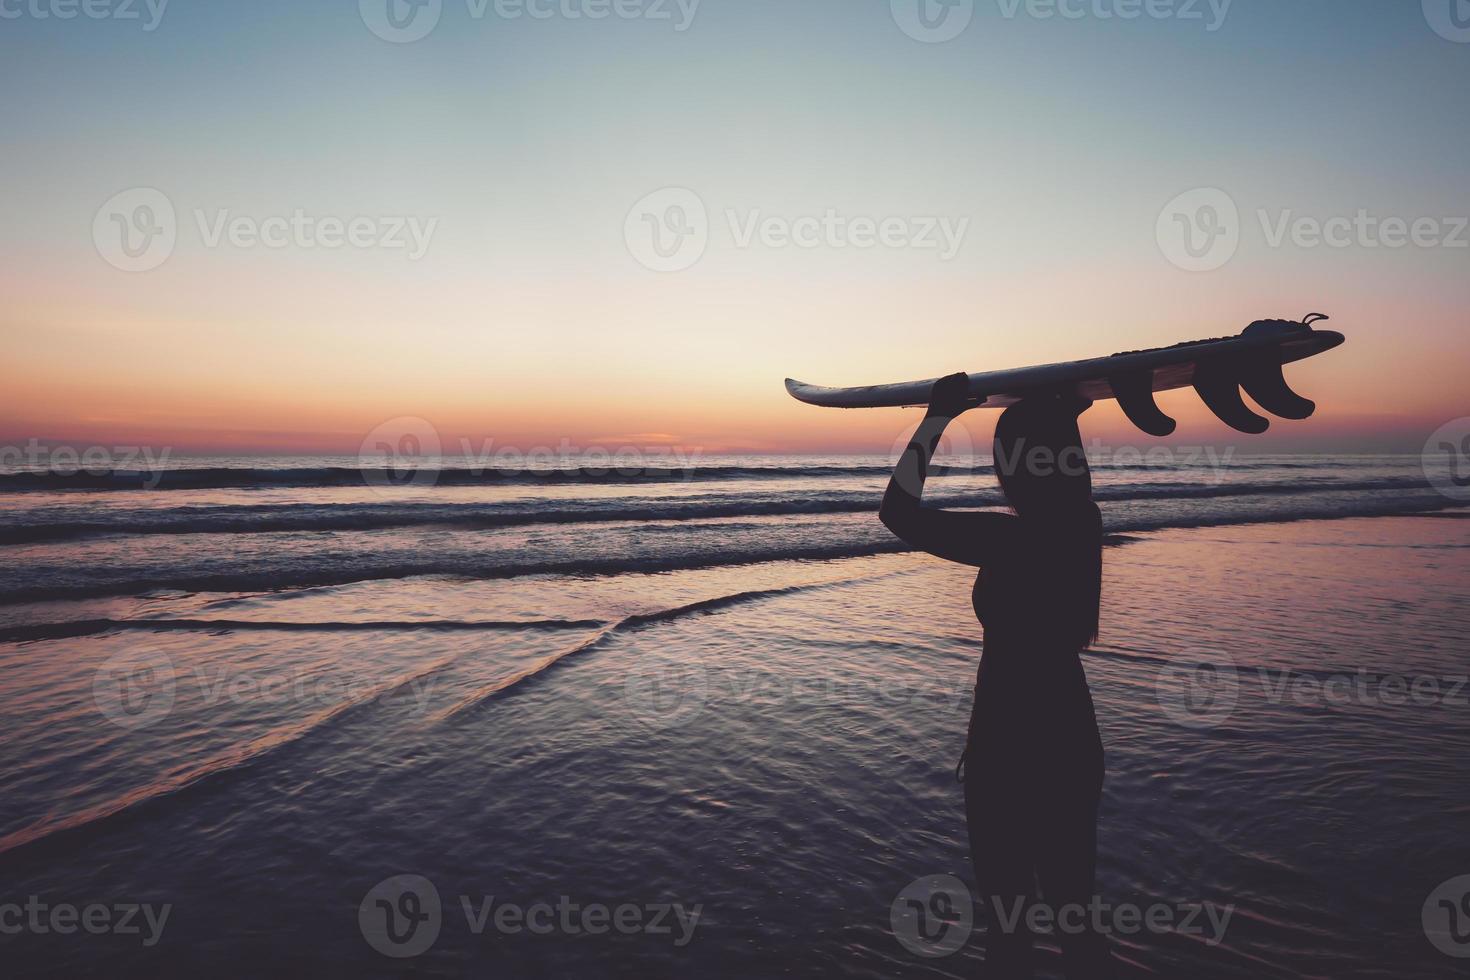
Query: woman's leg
(1067,853)
(1067,860)
(1004,868)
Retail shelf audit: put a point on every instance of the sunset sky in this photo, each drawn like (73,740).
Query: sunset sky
(521,144)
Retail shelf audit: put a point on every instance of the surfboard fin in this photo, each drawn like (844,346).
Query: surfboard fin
(1267,387)
(1219,388)
(1135,393)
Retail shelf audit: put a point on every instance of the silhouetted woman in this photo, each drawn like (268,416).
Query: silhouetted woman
(1033,763)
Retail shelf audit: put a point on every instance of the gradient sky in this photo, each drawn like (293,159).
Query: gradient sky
(529,320)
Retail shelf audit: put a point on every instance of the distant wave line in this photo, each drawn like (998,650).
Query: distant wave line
(295,518)
(93,627)
(489,568)
(240,477)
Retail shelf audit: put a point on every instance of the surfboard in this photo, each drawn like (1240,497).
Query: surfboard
(1218,369)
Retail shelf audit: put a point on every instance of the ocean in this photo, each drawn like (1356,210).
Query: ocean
(702,720)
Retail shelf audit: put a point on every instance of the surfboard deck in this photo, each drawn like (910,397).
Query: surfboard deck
(1218,368)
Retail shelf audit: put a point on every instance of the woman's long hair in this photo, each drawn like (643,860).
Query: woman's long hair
(1044,475)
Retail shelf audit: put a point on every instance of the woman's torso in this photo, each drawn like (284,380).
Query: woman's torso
(1031,694)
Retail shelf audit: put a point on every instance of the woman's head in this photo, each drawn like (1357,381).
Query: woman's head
(1039,457)
(1044,474)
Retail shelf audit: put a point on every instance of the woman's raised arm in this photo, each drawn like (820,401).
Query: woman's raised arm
(968,538)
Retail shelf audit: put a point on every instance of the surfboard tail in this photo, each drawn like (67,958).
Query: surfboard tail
(1259,374)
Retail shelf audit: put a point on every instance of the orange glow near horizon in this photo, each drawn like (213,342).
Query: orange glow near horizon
(283,415)
(198,358)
